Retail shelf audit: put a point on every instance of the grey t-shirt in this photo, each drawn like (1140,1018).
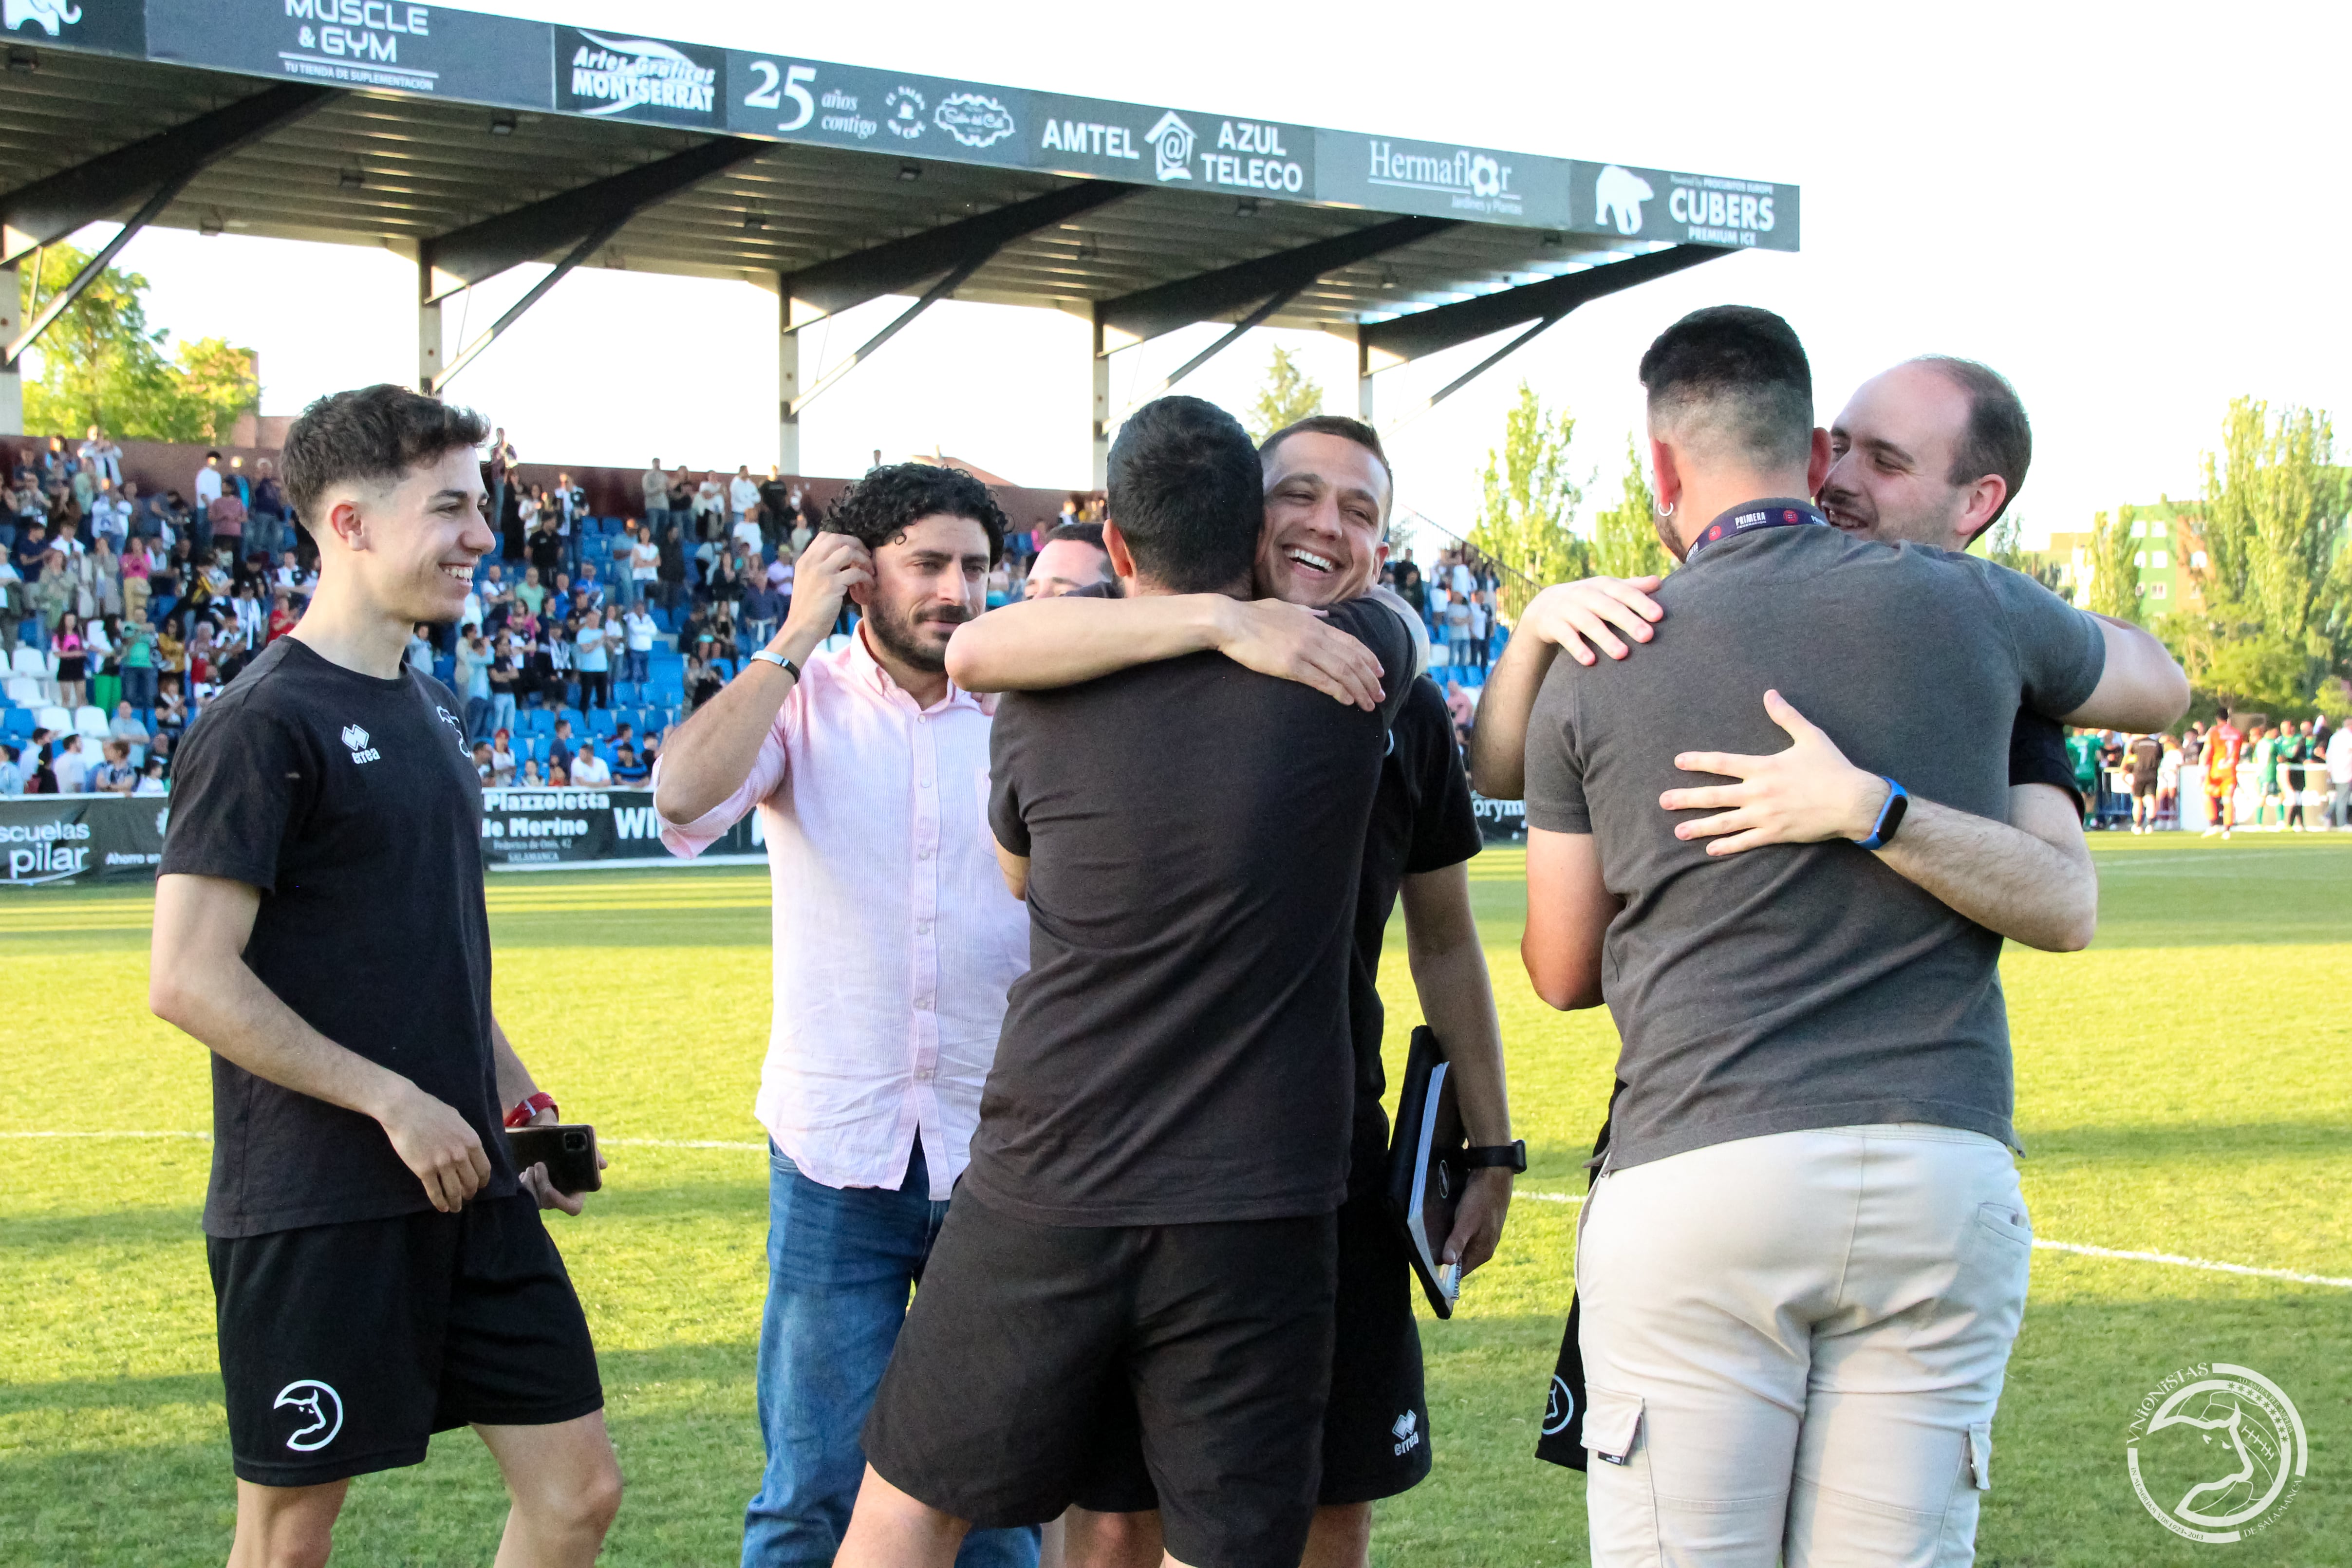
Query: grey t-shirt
(1802,986)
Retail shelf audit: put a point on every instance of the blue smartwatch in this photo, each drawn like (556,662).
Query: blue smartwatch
(1890,817)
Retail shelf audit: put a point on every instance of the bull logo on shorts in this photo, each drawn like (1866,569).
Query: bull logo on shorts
(321,1404)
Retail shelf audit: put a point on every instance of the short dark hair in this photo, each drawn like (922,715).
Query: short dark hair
(891,499)
(1338,424)
(1079,533)
(375,434)
(1188,494)
(1743,371)
(1998,439)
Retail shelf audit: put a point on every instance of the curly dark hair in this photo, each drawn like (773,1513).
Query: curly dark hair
(880,507)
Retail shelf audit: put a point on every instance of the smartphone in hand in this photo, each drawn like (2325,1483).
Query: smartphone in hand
(568,1150)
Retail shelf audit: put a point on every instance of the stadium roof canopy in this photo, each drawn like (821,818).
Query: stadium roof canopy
(475,143)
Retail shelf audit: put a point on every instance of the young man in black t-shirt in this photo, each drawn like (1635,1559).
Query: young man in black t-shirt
(380,1269)
(1328,488)
(1163,1141)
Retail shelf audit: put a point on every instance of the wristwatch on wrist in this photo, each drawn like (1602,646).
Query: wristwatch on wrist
(780,661)
(1890,818)
(1512,1156)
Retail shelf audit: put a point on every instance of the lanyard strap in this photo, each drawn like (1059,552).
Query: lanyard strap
(1780,512)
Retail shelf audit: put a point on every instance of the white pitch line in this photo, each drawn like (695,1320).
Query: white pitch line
(2172,1259)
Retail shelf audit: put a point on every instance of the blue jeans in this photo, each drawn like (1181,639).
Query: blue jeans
(841,1262)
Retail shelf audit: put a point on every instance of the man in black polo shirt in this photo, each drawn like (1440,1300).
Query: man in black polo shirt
(380,1269)
(1805,1258)
(1164,1139)
(1327,489)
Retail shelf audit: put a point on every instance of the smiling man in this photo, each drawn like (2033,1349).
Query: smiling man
(381,1267)
(1327,489)
(1074,558)
(896,942)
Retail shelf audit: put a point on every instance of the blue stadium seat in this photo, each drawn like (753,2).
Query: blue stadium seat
(601,722)
(578,720)
(444,668)
(625,694)
(18,724)
(535,721)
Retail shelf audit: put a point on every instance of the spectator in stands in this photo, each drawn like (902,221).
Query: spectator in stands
(804,526)
(1072,557)
(623,734)
(590,770)
(211,484)
(559,751)
(654,485)
(645,563)
(502,759)
(681,500)
(762,609)
(71,765)
(742,494)
(32,544)
(484,769)
(171,711)
(109,515)
(267,511)
(544,546)
(504,674)
(531,777)
(709,509)
(114,775)
(638,631)
(282,618)
(470,676)
(151,779)
(649,752)
(126,726)
(558,777)
(590,585)
(139,565)
(530,593)
(702,682)
(629,769)
(73,659)
(592,658)
(12,775)
(226,521)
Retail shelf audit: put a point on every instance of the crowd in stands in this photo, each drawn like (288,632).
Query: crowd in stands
(2257,775)
(586,636)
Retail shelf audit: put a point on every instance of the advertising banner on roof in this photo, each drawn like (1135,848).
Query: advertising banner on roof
(386,44)
(620,75)
(109,26)
(1688,209)
(1440,179)
(789,100)
(1183,149)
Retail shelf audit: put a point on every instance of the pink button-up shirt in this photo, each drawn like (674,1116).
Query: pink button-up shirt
(895,940)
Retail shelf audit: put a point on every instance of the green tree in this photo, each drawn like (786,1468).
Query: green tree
(2276,585)
(1625,540)
(1288,396)
(103,365)
(2114,569)
(2004,545)
(1527,501)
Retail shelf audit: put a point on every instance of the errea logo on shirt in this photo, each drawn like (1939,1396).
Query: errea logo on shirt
(357,740)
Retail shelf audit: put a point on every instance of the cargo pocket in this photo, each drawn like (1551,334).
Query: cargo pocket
(1612,1423)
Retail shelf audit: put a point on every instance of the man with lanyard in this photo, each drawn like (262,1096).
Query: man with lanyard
(1762,1378)
(2225,744)
(380,1264)
(895,944)
(1328,489)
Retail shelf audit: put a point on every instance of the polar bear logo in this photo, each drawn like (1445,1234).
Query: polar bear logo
(48,12)
(1619,194)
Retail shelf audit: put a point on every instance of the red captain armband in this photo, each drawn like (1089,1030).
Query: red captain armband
(529,1106)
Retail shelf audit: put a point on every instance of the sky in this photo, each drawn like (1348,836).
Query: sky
(2136,212)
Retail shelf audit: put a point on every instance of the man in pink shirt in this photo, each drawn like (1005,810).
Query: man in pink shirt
(895,944)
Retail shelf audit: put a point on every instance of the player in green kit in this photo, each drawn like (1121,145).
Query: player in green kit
(2266,771)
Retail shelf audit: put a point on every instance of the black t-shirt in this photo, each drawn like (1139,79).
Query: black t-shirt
(2146,760)
(352,804)
(1179,1051)
(1422,821)
(2037,754)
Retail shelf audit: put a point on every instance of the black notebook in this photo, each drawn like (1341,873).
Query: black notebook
(1425,1170)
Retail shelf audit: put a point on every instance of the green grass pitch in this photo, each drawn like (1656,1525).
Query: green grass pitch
(2183,1087)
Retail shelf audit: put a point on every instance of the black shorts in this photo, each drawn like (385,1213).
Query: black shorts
(1219,1334)
(345,1347)
(1376,1433)
(2143,789)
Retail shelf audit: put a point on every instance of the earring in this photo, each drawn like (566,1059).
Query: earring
(1667,509)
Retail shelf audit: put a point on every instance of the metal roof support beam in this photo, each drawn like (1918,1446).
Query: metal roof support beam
(896,265)
(47,210)
(1392,342)
(932,296)
(481,251)
(588,247)
(12,379)
(13,349)
(1208,296)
